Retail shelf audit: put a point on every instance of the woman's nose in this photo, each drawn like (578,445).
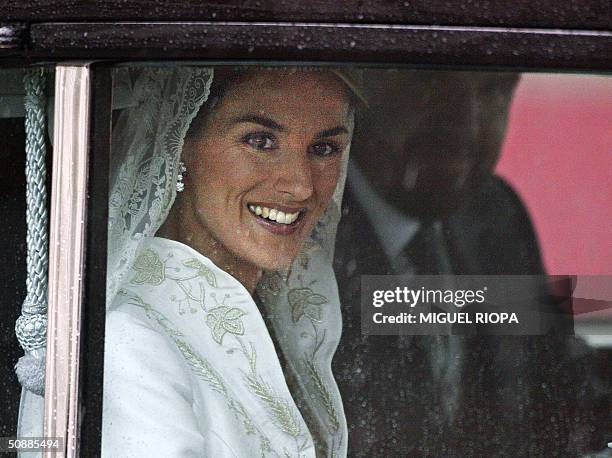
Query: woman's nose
(294,177)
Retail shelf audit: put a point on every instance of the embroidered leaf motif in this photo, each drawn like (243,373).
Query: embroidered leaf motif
(279,408)
(241,414)
(202,367)
(264,444)
(324,394)
(202,271)
(304,301)
(233,314)
(149,269)
(250,355)
(153,314)
(224,319)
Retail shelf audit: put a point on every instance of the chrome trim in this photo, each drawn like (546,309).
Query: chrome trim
(67,254)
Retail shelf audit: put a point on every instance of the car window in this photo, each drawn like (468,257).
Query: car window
(266,233)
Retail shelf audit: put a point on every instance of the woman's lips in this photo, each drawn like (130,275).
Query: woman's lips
(277,219)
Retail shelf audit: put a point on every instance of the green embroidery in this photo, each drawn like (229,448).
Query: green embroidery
(304,301)
(152,314)
(149,269)
(250,355)
(201,367)
(264,444)
(188,296)
(204,370)
(280,410)
(241,414)
(223,319)
(324,394)
(202,271)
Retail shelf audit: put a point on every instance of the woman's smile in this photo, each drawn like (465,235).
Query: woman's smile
(277,219)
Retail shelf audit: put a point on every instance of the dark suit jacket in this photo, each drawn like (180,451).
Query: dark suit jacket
(457,395)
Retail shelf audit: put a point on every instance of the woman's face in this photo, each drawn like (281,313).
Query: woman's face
(264,165)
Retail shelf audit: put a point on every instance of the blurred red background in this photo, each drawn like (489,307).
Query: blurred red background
(558,157)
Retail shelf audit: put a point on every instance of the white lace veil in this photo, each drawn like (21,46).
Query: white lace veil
(157,106)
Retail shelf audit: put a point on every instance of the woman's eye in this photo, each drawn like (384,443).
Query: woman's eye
(324,149)
(260,141)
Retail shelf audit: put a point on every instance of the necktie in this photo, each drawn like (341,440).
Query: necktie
(425,254)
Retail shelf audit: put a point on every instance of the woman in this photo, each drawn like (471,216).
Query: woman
(191,368)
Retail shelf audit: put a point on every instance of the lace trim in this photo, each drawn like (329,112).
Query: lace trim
(147,142)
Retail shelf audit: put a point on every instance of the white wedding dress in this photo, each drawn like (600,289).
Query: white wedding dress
(190,366)
(191,369)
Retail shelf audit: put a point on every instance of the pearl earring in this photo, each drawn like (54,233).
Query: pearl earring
(180,186)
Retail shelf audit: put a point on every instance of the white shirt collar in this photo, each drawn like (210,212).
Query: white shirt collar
(393,228)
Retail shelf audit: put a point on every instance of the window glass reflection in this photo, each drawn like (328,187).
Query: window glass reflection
(221,179)
(423,197)
(227,205)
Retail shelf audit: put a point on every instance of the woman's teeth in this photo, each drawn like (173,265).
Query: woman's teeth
(274,214)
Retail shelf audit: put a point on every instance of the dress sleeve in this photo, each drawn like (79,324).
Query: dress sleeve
(147,404)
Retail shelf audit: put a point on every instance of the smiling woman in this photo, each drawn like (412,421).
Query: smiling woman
(205,299)
(282,135)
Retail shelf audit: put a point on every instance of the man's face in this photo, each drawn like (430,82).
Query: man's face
(429,137)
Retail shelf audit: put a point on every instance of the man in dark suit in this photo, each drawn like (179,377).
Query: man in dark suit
(422,199)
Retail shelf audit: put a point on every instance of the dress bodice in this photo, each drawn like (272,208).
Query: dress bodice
(191,369)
